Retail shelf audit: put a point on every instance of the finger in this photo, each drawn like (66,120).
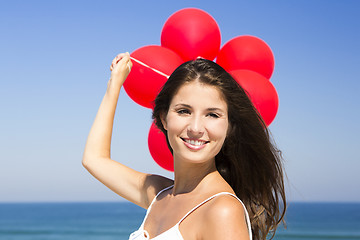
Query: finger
(112,65)
(124,59)
(129,64)
(114,62)
(118,58)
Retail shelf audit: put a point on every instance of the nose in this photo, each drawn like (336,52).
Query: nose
(196,127)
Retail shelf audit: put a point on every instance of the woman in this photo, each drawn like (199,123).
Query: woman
(222,153)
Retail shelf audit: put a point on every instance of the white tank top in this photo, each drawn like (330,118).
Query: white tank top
(174,232)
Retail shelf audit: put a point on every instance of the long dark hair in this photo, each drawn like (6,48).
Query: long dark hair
(248,160)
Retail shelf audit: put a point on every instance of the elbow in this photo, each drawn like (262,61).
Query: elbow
(89,161)
(85,161)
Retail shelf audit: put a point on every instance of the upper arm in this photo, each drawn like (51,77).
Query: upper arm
(137,187)
(225,220)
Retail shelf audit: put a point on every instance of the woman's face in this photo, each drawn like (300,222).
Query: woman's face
(196,123)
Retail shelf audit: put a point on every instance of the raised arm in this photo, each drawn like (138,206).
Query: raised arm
(137,187)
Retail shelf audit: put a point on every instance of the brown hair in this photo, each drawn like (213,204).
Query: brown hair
(248,160)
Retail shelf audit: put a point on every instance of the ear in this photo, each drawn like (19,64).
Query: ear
(163,120)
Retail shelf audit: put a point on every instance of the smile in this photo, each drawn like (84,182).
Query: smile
(194,144)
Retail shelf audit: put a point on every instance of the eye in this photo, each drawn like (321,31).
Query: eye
(183,111)
(213,115)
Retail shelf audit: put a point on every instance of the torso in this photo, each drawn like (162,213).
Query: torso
(167,211)
(173,217)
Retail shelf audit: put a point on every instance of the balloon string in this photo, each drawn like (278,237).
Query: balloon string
(155,70)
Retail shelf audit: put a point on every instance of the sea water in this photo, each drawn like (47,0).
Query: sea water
(110,221)
(335,221)
(75,221)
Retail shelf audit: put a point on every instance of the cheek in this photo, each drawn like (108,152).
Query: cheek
(218,130)
(174,124)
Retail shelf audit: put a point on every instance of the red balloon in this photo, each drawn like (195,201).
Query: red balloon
(247,52)
(158,148)
(143,84)
(261,92)
(192,33)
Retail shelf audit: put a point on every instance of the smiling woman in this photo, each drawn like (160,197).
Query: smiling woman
(196,122)
(244,158)
(222,153)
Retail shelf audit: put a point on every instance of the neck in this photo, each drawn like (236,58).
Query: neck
(192,177)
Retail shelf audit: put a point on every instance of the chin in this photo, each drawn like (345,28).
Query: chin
(193,159)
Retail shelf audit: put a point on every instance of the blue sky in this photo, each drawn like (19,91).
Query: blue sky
(54,66)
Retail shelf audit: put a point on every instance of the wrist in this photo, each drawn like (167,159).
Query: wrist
(113,90)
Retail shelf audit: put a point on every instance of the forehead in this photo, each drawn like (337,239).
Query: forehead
(199,94)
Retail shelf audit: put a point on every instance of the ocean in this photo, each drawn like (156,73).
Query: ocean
(115,221)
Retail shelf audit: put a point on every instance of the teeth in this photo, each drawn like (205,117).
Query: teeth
(195,142)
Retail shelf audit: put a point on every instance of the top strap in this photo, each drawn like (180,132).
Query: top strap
(152,202)
(247,218)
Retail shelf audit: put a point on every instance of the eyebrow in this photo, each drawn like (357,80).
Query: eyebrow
(188,106)
(215,109)
(182,105)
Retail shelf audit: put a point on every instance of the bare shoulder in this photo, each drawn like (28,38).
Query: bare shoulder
(225,219)
(153,184)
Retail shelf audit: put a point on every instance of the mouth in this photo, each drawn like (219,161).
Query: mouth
(194,143)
